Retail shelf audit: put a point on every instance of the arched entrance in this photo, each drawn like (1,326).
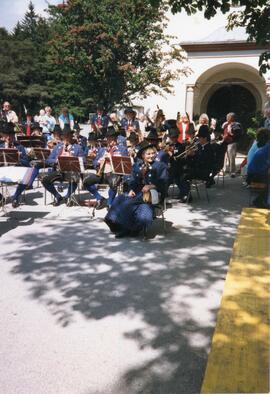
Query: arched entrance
(229,87)
(232,98)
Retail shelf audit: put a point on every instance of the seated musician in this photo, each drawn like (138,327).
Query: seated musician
(92,146)
(133,144)
(130,123)
(9,142)
(56,137)
(174,148)
(154,139)
(199,164)
(129,213)
(67,147)
(81,140)
(259,170)
(104,173)
(99,121)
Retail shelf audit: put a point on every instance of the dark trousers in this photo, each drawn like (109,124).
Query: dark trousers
(112,180)
(48,183)
(192,173)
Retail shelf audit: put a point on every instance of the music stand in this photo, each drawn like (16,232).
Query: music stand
(41,154)
(73,166)
(31,141)
(121,165)
(9,157)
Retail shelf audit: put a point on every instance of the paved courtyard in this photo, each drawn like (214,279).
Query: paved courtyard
(83,312)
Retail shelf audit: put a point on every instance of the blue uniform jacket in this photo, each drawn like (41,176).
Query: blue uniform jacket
(23,158)
(121,150)
(76,151)
(156,175)
(104,120)
(134,123)
(260,163)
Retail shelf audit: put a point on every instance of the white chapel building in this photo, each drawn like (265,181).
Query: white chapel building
(223,77)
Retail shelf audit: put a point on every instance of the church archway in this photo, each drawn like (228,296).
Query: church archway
(237,80)
(232,98)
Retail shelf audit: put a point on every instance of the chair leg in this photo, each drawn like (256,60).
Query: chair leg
(206,192)
(197,190)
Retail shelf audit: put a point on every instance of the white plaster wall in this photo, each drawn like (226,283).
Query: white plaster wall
(207,69)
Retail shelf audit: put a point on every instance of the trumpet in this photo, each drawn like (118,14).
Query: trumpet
(192,147)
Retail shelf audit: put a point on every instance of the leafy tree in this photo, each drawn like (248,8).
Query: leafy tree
(253,15)
(107,51)
(23,74)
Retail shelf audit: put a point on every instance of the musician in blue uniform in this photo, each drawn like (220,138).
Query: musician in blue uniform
(130,213)
(8,141)
(100,121)
(199,164)
(129,122)
(64,148)
(154,139)
(174,148)
(105,171)
(81,140)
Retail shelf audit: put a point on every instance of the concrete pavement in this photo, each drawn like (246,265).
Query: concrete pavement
(83,312)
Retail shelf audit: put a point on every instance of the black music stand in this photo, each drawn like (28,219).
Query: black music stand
(73,166)
(41,154)
(121,165)
(9,157)
(31,141)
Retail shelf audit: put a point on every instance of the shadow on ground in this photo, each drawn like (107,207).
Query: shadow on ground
(167,281)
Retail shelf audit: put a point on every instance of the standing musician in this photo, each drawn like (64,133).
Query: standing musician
(100,121)
(133,212)
(199,163)
(105,170)
(159,122)
(9,142)
(186,128)
(7,115)
(67,147)
(232,133)
(28,124)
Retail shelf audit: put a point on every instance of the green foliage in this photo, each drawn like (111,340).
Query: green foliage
(255,124)
(23,69)
(253,15)
(110,50)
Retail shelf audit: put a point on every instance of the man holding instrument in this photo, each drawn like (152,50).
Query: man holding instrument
(65,148)
(105,171)
(199,163)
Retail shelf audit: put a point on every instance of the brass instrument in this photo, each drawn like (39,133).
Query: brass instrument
(193,147)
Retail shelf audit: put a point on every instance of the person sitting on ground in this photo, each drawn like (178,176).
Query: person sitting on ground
(133,212)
